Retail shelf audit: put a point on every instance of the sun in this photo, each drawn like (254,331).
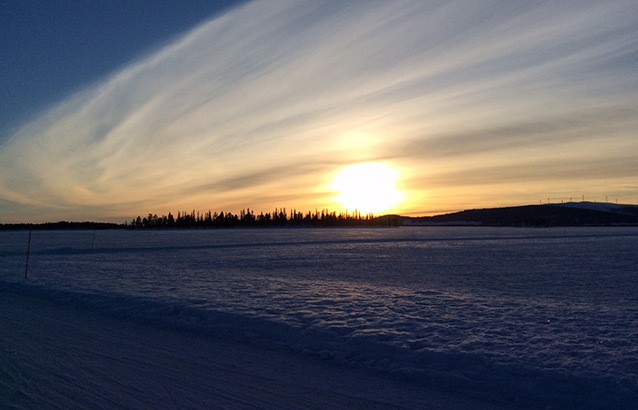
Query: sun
(368,187)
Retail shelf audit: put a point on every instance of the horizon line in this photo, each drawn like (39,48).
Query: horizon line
(288,212)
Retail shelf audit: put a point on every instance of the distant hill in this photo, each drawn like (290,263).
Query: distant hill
(567,214)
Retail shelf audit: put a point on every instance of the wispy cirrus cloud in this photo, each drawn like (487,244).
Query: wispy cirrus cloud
(266,101)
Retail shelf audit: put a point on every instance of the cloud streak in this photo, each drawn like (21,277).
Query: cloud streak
(274,96)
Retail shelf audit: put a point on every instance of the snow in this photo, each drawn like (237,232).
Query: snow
(598,206)
(55,356)
(462,317)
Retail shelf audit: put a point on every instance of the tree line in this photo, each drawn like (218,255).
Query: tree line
(62,225)
(247,218)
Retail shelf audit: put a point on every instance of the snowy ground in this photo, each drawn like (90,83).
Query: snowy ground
(55,356)
(412,317)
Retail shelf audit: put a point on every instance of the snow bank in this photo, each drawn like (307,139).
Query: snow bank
(55,356)
(473,375)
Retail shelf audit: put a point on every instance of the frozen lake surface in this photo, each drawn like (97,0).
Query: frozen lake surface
(537,315)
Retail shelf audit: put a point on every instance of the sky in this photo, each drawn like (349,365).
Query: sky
(109,110)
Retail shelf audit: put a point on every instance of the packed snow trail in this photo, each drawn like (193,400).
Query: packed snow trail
(55,356)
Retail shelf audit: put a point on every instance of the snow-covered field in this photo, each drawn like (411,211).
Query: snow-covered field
(510,316)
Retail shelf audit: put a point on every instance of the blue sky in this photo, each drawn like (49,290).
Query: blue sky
(143,107)
(51,49)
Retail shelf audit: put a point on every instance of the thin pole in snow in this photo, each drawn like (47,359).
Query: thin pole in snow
(26,268)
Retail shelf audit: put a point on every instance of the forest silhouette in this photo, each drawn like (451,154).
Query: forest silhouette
(247,218)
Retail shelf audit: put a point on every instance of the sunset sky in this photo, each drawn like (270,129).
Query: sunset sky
(111,110)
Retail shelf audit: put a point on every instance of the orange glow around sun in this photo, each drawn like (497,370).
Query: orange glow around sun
(368,187)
